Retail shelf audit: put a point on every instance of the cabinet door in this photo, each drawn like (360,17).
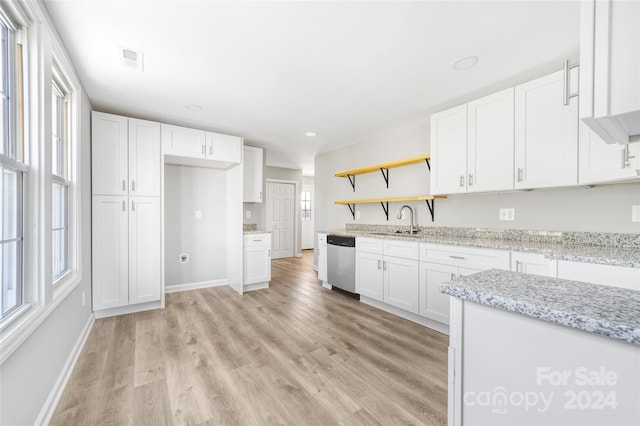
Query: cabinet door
(431,302)
(109,153)
(490,142)
(224,148)
(401,283)
(615,276)
(145,283)
(369,275)
(449,151)
(546,134)
(257,265)
(145,160)
(602,162)
(253,161)
(533,263)
(183,142)
(110,258)
(322,263)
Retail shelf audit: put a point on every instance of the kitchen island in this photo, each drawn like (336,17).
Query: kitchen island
(528,349)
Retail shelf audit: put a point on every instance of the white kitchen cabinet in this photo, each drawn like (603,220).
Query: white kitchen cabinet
(369,275)
(401,282)
(109,246)
(600,162)
(322,257)
(257,261)
(126,156)
(126,251)
(449,151)
(610,66)
(533,263)
(192,147)
(144,250)
(442,263)
(546,133)
(490,142)
(472,146)
(253,171)
(615,276)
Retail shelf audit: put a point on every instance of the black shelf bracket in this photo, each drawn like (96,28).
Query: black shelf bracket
(352,207)
(385,207)
(432,206)
(352,180)
(386,177)
(428,164)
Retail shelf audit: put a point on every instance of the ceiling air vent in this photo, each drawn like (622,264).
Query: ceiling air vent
(132,58)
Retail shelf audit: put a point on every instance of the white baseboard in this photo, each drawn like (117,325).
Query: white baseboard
(129,309)
(434,325)
(194,286)
(256,286)
(52,400)
(326,285)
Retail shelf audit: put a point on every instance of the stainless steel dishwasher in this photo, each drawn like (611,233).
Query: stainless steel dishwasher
(341,262)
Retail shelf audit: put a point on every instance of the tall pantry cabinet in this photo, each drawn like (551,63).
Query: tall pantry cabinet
(126,214)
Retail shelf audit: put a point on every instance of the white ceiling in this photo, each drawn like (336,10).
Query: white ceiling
(271,71)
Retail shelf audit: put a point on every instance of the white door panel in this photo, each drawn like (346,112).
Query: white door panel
(144,249)
(281,218)
(144,158)
(109,148)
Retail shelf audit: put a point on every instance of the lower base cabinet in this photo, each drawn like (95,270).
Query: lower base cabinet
(401,283)
(257,261)
(369,276)
(127,257)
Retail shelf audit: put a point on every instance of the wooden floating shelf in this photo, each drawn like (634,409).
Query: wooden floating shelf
(385,203)
(383,168)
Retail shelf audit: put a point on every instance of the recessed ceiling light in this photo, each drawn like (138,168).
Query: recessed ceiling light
(465,63)
(311,134)
(193,107)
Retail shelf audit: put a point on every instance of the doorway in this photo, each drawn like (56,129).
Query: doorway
(306,208)
(281,211)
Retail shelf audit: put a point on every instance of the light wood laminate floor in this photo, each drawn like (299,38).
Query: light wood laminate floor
(291,354)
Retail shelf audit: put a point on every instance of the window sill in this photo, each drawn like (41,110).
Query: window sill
(16,329)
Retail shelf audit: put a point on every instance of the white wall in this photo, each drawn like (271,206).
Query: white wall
(188,189)
(604,208)
(29,374)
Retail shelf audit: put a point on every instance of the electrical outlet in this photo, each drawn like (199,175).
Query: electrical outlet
(198,214)
(508,214)
(635,213)
(184,258)
(248,214)
(357,214)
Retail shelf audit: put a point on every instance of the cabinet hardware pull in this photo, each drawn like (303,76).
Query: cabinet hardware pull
(384,265)
(461,180)
(626,156)
(453,276)
(210,149)
(133,206)
(257,241)
(124,206)
(378,265)
(203,151)
(260,196)
(124,185)
(470,179)
(269,255)
(519,175)
(133,185)
(566,83)
(518,266)
(457,257)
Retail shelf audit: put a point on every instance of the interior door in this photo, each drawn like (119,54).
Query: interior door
(281,218)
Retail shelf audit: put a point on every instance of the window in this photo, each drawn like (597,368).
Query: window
(13,171)
(60,176)
(305,205)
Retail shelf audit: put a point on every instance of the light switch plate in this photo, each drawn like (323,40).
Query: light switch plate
(357,214)
(635,213)
(198,214)
(248,214)
(508,214)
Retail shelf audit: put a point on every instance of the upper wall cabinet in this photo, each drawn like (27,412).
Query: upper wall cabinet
(253,160)
(601,162)
(472,146)
(191,147)
(126,156)
(546,133)
(610,69)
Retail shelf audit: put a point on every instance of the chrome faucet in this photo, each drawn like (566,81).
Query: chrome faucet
(412,230)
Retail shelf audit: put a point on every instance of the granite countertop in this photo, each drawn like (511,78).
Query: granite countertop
(604,310)
(606,255)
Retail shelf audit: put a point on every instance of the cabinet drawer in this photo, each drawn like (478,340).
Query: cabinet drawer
(404,249)
(465,256)
(257,240)
(322,239)
(370,245)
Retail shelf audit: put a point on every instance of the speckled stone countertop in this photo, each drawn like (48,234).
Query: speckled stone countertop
(601,248)
(604,310)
